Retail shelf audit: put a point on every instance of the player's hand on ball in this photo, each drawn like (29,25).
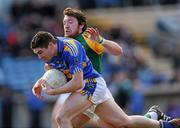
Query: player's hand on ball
(93,34)
(37,89)
(51,80)
(44,84)
(46,87)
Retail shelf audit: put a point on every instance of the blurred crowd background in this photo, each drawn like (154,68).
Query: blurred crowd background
(147,73)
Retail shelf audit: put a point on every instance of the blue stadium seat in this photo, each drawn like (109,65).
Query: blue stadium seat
(21,73)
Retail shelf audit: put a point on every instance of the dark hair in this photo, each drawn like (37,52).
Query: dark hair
(41,40)
(78,14)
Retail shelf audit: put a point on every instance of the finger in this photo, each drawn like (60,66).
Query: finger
(40,81)
(34,91)
(43,81)
(40,97)
(88,31)
(97,31)
(89,28)
(93,30)
(43,85)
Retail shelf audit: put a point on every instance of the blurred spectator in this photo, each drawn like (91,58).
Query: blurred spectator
(4,25)
(107,3)
(7,107)
(137,98)
(176,56)
(87,4)
(175,77)
(173,109)
(12,42)
(0,106)
(35,107)
(121,88)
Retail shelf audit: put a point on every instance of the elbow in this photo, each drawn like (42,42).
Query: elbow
(120,51)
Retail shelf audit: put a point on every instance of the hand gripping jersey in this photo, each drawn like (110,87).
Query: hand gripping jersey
(72,58)
(93,50)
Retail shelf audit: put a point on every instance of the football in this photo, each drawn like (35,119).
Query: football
(54,78)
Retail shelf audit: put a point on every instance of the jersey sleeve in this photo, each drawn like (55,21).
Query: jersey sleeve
(95,46)
(74,58)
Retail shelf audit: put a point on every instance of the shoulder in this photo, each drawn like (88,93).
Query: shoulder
(70,46)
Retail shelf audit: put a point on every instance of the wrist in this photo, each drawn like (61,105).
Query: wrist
(101,41)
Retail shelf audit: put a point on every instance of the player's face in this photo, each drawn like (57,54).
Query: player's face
(71,26)
(44,54)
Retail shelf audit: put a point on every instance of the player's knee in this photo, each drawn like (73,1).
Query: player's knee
(57,119)
(62,118)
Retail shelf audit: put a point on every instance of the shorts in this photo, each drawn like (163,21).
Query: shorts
(96,90)
(97,93)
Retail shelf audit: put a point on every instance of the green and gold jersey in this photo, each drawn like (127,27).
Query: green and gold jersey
(93,50)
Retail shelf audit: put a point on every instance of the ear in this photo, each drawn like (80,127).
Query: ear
(81,26)
(51,45)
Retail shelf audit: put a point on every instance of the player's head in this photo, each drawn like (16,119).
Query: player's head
(74,22)
(44,45)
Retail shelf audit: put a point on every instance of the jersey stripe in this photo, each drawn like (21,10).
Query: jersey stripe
(73,49)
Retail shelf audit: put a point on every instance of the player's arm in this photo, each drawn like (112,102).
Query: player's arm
(109,46)
(73,85)
(112,47)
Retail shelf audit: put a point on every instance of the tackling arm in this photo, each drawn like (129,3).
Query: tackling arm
(112,47)
(109,46)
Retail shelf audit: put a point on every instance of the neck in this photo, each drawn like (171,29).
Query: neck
(77,35)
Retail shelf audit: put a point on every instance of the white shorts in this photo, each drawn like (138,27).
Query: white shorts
(97,92)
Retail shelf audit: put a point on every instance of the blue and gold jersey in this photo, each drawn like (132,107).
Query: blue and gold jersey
(72,58)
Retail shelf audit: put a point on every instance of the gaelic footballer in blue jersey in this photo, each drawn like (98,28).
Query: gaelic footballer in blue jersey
(87,87)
